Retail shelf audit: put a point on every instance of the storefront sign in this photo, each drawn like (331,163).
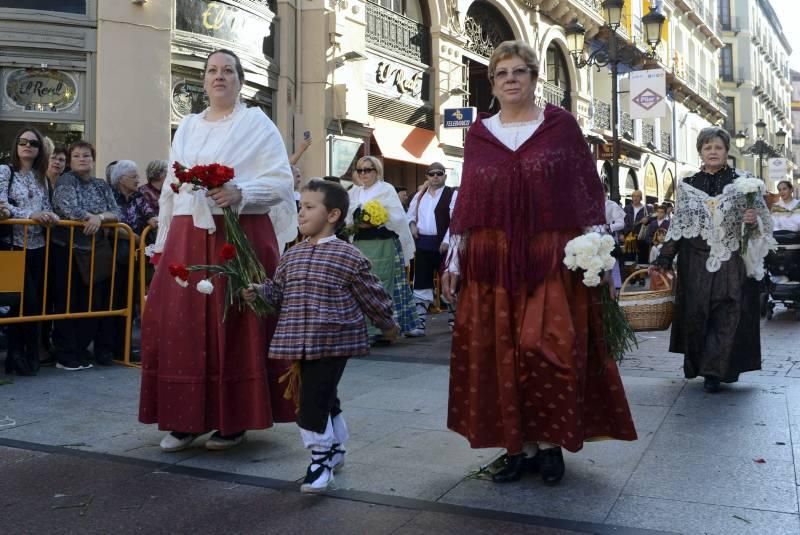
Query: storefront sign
(222,20)
(459,117)
(188,98)
(405,81)
(41,90)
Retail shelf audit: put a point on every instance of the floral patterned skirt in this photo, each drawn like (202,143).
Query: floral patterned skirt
(524,367)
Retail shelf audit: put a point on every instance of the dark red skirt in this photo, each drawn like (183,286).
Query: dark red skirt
(527,367)
(198,373)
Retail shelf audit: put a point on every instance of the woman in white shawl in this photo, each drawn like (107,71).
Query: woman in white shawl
(786,210)
(389,247)
(198,373)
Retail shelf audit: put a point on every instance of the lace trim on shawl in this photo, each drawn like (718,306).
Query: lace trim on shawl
(719,220)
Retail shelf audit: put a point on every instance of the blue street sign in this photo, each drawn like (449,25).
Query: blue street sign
(459,117)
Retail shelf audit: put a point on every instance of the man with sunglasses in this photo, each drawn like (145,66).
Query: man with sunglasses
(429,218)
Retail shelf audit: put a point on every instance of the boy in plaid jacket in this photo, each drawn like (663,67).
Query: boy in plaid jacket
(323,288)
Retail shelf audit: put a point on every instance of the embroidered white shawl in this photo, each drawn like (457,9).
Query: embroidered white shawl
(719,221)
(398,223)
(248,142)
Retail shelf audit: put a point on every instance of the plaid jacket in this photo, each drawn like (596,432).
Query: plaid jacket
(320,291)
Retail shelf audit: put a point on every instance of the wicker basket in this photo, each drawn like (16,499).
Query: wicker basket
(647,310)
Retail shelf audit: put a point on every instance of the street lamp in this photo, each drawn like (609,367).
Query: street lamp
(612,54)
(761,148)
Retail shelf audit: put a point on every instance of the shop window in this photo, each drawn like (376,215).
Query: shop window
(62,6)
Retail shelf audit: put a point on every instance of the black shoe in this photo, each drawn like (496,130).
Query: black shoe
(551,465)
(515,466)
(711,385)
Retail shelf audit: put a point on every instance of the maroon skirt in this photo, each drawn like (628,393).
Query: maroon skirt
(198,373)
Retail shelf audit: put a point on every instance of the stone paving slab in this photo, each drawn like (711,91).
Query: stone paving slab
(694,459)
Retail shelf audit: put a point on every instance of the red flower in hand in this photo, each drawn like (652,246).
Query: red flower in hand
(179,271)
(175,187)
(228,252)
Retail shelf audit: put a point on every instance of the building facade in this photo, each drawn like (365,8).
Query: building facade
(755,77)
(122,74)
(374,77)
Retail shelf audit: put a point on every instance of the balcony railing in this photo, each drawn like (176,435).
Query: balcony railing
(702,87)
(627,123)
(691,77)
(602,114)
(552,94)
(648,134)
(398,34)
(666,143)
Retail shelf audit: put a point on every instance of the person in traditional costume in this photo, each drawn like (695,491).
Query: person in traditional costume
(716,322)
(323,288)
(200,374)
(786,209)
(429,218)
(528,370)
(389,247)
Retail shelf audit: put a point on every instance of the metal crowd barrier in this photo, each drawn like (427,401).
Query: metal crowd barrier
(12,277)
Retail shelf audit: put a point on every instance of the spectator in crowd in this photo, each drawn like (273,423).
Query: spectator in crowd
(637,214)
(786,209)
(389,247)
(57,162)
(23,191)
(301,148)
(402,192)
(136,212)
(659,222)
(429,218)
(155,173)
(79,196)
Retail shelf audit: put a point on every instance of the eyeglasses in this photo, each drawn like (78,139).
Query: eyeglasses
(435,173)
(517,73)
(365,170)
(22,142)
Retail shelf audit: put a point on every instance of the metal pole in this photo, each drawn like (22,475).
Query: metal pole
(612,54)
(760,165)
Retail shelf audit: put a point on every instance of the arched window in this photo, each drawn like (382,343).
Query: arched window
(556,88)
(485,28)
(631,184)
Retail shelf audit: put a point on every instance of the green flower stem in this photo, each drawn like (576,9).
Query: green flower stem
(619,336)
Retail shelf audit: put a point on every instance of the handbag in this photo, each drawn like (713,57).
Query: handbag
(103,261)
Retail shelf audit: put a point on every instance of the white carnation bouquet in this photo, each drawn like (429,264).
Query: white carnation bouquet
(591,253)
(751,188)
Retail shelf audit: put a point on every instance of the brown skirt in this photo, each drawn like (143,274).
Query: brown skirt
(531,367)
(198,373)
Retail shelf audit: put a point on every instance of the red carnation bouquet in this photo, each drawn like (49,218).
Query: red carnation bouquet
(238,260)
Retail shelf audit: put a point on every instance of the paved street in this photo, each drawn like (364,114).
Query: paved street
(74,459)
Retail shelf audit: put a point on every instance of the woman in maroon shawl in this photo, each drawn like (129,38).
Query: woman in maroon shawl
(529,372)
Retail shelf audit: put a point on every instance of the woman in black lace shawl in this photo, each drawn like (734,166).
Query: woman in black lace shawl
(716,318)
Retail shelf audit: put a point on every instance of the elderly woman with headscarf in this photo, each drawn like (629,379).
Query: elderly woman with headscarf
(716,319)
(390,246)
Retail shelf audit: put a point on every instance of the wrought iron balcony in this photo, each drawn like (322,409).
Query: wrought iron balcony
(627,124)
(602,114)
(648,133)
(552,94)
(691,77)
(666,142)
(397,34)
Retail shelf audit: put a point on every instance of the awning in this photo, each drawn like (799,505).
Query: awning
(407,143)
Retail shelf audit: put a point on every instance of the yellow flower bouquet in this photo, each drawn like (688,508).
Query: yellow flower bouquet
(373,213)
